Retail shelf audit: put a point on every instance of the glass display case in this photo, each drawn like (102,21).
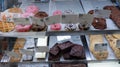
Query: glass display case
(60,33)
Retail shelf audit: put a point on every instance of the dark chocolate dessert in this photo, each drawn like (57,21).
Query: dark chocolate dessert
(54,50)
(78,52)
(41,14)
(68,65)
(54,57)
(99,23)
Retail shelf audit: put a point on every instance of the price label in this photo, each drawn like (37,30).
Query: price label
(42,49)
(102,13)
(12,54)
(118,44)
(27,52)
(85,20)
(62,39)
(24,21)
(53,19)
(39,21)
(101,47)
(70,19)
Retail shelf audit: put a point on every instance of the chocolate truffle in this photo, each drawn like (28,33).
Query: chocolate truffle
(78,52)
(41,14)
(99,23)
(54,50)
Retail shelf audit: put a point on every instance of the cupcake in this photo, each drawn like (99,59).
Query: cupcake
(70,27)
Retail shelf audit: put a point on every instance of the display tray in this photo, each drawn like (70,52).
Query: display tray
(111,55)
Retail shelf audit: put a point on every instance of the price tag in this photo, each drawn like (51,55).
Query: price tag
(102,13)
(118,44)
(12,54)
(85,20)
(39,21)
(24,21)
(42,49)
(101,47)
(62,39)
(70,19)
(53,19)
(27,52)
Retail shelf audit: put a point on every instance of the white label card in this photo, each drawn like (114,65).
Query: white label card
(102,13)
(53,19)
(27,52)
(12,54)
(62,39)
(41,33)
(39,21)
(100,47)
(42,49)
(24,21)
(70,19)
(118,44)
(85,19)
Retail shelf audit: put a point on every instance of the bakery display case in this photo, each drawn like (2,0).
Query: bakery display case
(60,33)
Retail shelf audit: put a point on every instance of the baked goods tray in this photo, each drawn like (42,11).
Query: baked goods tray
(60,39)
(111,55)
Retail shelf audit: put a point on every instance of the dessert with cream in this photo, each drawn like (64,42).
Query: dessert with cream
(56,26)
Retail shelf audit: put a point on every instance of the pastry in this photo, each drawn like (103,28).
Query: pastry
(91,12)
(112,39)
(36,27)
(115,14)
(32,9)
(54,57)
(68,65)
(55,27)
(54,50)
(6,26)
(77,51)
(15,10)
(26,15)
(70,27)
(96,39)
(57,12)
(99,23)
(23,28)
(41,14)
(83,27)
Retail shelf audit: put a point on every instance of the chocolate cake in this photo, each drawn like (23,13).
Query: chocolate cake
(68,65)
(99,23)
(54,50)
(65,46)
(36,27)
(78,52)
(67,56)
(41,14)
(54,57)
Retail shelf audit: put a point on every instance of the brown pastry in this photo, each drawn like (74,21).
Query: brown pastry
(91,12)
(36,27)
(99,23)
(96,39)
(41,14)
(15,10)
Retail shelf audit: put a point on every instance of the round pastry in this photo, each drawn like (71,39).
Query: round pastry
(41,14)
(70,27)
(83,27)
(36,27)
(99,23)
(56,26)
(23,28)
(15,10)
(32,9)
(109,7)
(91,12)
(57,12)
